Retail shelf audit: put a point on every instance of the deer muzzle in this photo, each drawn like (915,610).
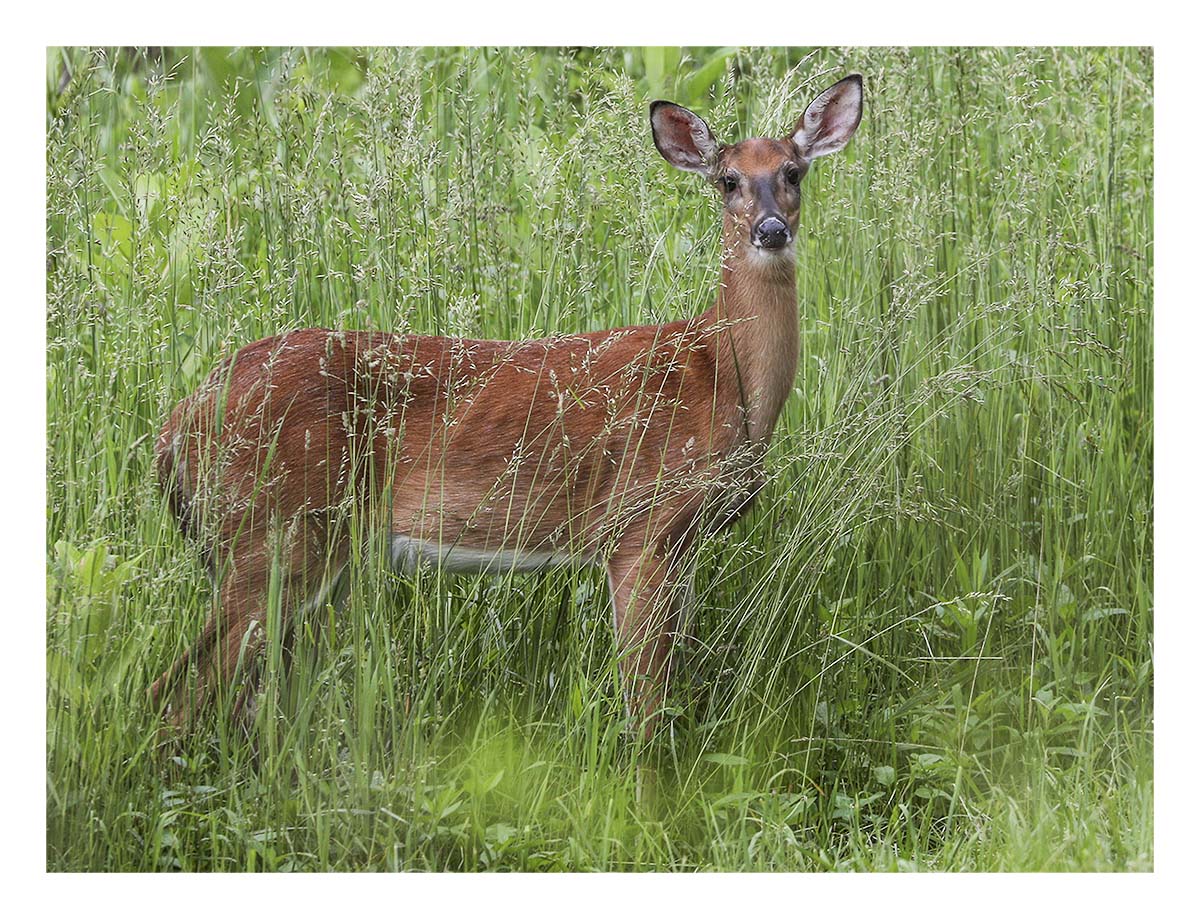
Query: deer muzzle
(771,233)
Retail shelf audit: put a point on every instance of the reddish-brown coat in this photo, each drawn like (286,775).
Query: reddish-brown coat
(612,447)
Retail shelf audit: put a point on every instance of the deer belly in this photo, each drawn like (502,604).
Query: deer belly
(410,553)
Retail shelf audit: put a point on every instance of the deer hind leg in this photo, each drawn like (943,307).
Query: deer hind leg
(188,685)
(230,645)
(648,585)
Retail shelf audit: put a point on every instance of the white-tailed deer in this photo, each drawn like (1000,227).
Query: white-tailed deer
(615,448)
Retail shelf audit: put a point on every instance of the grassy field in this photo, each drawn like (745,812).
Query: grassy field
(928,648)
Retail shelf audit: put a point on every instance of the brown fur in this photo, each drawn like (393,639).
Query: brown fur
(614,447)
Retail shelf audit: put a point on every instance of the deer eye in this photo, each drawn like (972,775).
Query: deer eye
(729,183)
(792,176)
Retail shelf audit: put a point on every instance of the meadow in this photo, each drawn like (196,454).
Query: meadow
(928,647)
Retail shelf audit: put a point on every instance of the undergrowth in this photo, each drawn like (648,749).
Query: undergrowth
(928,647)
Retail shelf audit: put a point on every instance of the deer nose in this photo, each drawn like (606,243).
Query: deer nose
(772,233)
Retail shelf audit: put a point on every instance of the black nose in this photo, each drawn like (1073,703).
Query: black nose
(772,233)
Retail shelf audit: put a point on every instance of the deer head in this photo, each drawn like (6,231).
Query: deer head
(759,178)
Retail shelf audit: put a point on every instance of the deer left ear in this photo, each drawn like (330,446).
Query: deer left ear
(683,138)
(830,119)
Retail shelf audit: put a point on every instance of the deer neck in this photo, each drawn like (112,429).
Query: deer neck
(757,330)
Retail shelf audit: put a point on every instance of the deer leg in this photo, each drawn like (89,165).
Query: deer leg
(232,640)
(645,584)
(213,657)
(304,597)
(174,709)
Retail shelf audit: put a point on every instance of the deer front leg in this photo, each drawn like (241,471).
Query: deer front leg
(647,584)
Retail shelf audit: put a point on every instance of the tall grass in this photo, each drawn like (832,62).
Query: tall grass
(929,646)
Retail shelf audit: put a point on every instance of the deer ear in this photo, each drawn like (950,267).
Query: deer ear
(830,119)
(683,138)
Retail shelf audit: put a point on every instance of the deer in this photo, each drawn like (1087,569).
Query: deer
(618,448)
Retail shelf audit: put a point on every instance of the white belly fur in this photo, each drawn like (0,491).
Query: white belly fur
(408,554)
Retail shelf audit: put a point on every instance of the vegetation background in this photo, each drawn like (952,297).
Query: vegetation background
(929,647)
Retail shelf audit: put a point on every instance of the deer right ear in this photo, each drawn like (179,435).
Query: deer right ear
(683,138)
(830,119)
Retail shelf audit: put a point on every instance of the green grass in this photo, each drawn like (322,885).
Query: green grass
(928,647)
